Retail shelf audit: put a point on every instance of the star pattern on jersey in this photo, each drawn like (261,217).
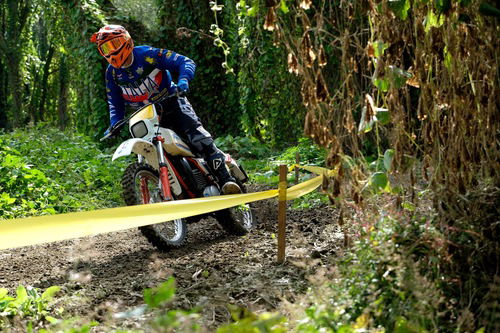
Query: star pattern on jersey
(150,60)
(139,70)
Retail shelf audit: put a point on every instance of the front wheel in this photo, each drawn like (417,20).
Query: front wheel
(141,185)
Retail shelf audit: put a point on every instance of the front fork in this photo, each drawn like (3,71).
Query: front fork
(164,181)
(144,185)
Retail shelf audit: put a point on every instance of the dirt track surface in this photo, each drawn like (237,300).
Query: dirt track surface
(107,273)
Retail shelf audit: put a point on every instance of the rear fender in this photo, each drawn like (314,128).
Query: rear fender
(139,147)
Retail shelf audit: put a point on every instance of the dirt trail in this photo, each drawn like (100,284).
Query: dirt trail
(109,272)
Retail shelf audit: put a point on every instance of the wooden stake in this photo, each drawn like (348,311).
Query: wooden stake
(297,161)
(282,213)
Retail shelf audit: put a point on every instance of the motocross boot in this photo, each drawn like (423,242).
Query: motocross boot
(227,183)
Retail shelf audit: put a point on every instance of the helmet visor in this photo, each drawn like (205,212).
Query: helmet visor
(112,46)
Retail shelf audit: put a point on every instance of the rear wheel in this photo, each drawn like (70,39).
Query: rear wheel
(236,220)
(140,185)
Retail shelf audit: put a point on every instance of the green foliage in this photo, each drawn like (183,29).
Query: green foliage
(158,296)
(243,147)
(144,11)
(186,321)
(309,153)
(177,320)
(269,96)
(212,93)
(55,172)
(379,286)
(311,200)
(433,21)
(88,66)
(28,304)
(400,8)
(248,322)
(25,190)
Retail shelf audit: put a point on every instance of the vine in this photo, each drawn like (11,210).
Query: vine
(219,34)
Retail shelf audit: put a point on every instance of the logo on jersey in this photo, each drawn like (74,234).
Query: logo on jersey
(217,163)
(140,91)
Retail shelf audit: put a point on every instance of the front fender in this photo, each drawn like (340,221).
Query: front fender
(139,147)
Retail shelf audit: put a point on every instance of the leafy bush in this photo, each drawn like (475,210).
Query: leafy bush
(309,152)
(391,280)
(258,156)
(28,304)
(243,147)
(246,321)
(55,172)
(169,320)
(379,286)
(314,199)
(24,189)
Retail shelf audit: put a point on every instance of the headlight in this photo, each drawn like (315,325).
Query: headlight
(139,130)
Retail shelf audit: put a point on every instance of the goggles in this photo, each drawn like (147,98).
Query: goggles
(112,46)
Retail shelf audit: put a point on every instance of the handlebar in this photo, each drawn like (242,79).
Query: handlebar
(119,125)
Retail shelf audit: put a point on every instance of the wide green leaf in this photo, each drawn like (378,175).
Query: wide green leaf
(50,292)
(400,8)
(379,181)
(284,7)
(383,116)
(379,48)
(388,157)
(398,76)
(21,297)
(3,292)
(155,297)
(381,83)
(433,21)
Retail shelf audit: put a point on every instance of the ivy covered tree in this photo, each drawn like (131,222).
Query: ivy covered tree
(14,17)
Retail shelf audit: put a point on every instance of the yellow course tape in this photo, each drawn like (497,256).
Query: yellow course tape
(51,228)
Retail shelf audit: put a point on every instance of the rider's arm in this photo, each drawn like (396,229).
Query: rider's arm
(115,99)
(176,63)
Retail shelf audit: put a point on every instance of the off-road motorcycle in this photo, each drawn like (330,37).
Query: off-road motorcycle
(167,169)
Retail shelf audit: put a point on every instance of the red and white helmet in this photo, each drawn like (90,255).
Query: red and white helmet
(114,43)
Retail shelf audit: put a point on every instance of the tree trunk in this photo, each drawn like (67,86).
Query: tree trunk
(41,108)
(4,122)
(16,111)
(62,106)
(14,17)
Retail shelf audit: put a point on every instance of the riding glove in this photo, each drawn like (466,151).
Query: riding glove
(183,85)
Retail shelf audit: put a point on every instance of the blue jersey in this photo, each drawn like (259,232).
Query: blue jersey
(147,80)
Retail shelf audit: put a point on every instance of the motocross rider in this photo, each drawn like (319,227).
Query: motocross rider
(141,75)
